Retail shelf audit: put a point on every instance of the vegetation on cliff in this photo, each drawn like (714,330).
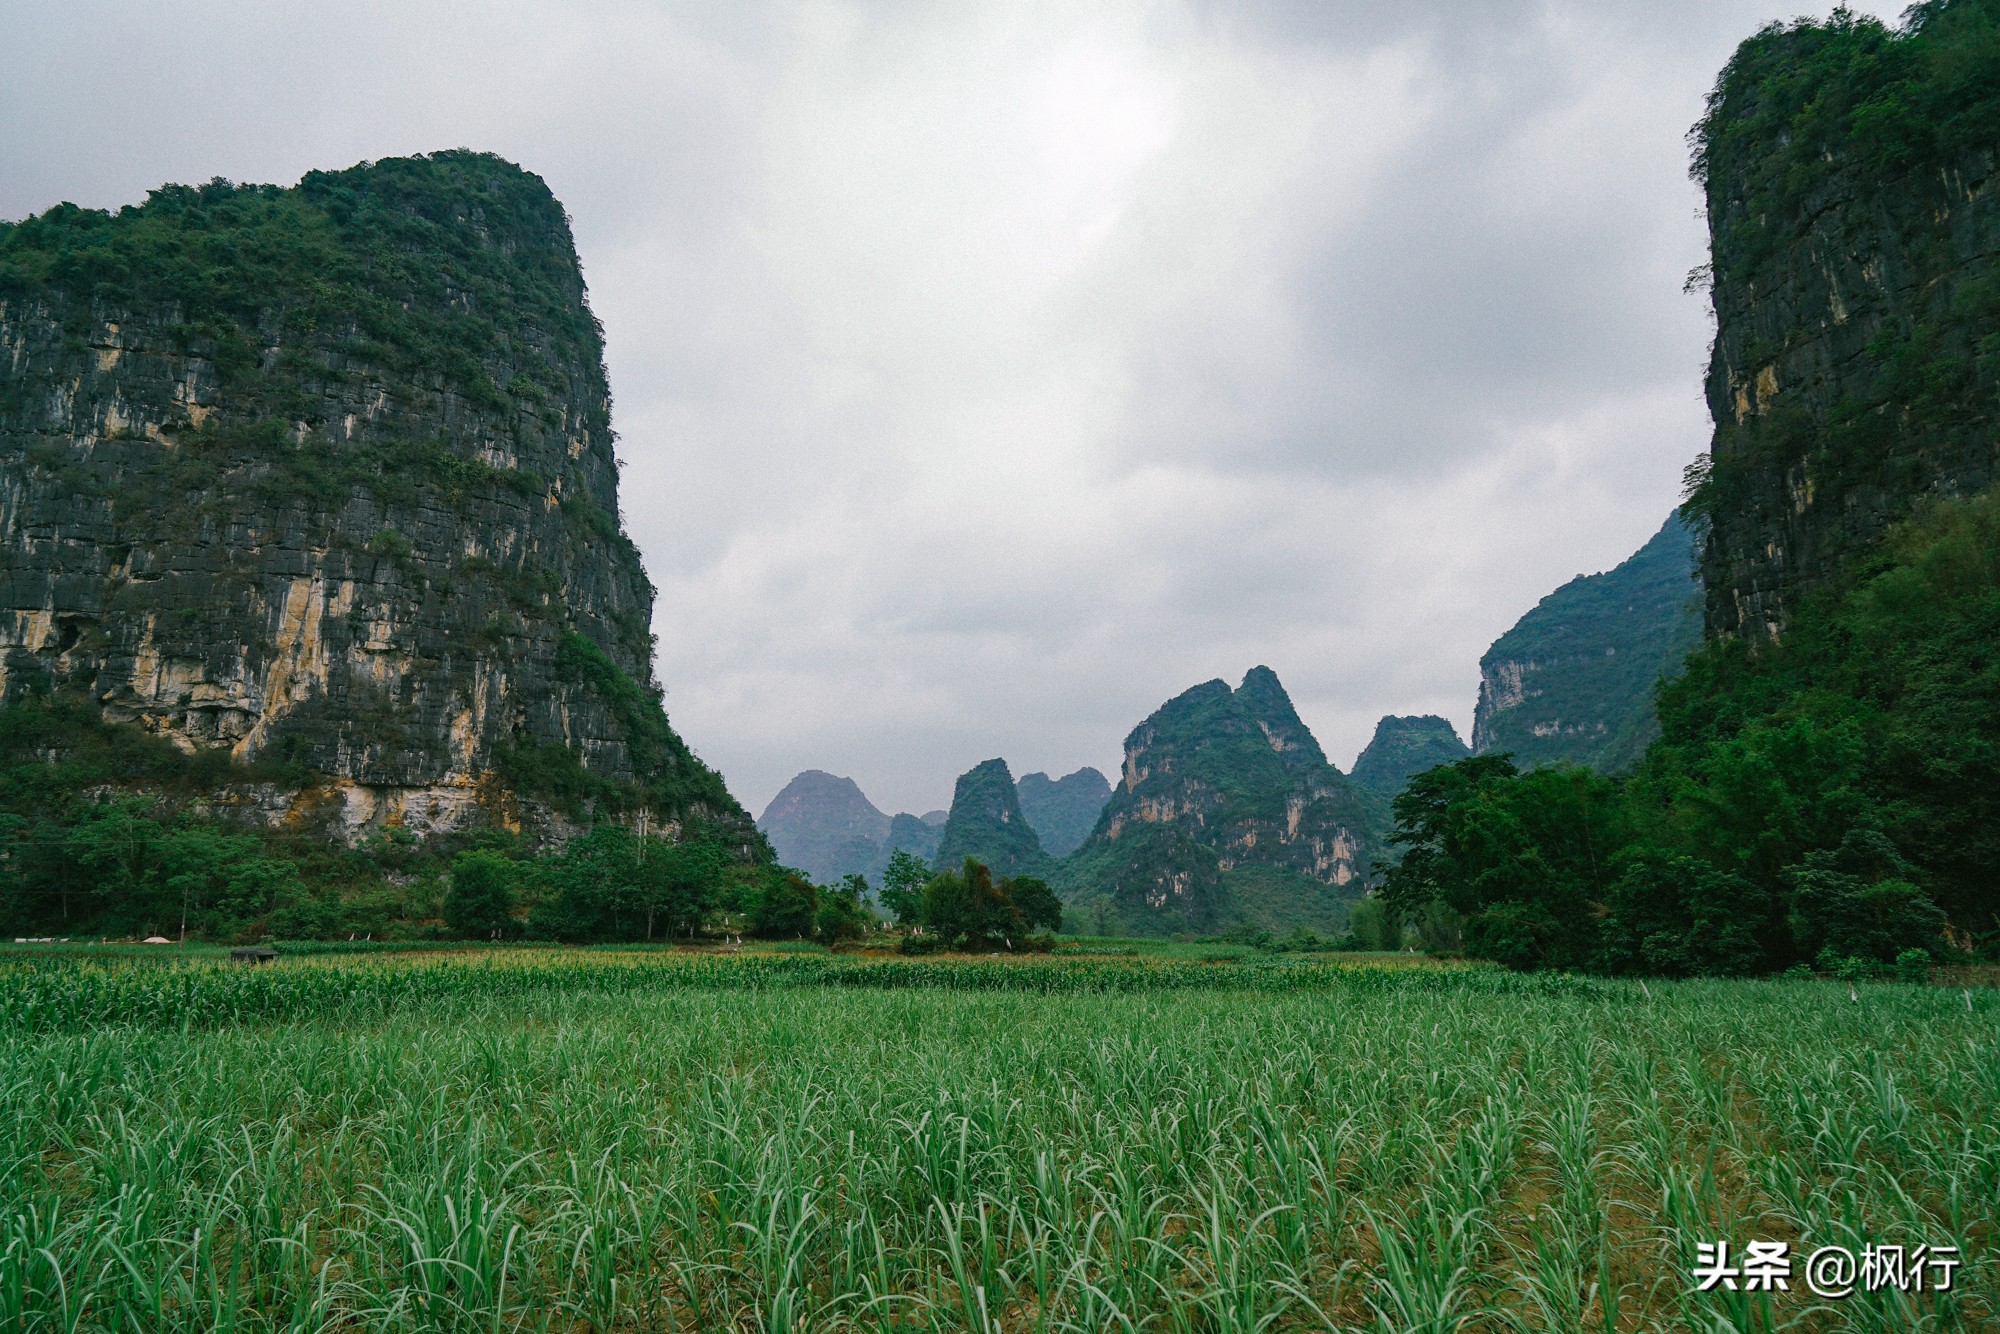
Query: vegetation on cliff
(1825,791)
(416,264)
(109,830)
(314,568)
(335,462)
(1227,812)
(1849,171)
(986,823)
(1830,799)
(1573,680)
(1401,748)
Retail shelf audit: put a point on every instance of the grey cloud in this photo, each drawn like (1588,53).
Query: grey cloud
(986,375)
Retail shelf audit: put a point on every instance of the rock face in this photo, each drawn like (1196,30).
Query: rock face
(1226,810)
(1573,680)
(1063,810)
(824,826)
(986,822)
(1855,228)
(325,476)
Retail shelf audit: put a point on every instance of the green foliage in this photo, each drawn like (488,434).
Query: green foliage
(668,776)
(1591,654)
(1520,857)
(1798,94)
(1246,782)
(967,909)
(380,253)
(1879,710)
(77,860)
(786,906)
(1038,905)
(903,886)
(576,1140)
(610,884)
(843,911)
(1838,136)
(480,904)
(986,823)
(1404,747)
(1677,916)
(1372,928)
(1856,901)
(1835,793)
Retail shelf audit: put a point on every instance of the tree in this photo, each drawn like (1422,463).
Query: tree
(1679,916)
(680,883)
(967,909)
(1371,928)
(903,886)
(1858,902)
(843,912)
(1524,859)
(1035,902)
(592,889)
(480,903)
(785,906)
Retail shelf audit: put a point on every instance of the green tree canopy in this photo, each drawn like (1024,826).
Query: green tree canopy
(480,903)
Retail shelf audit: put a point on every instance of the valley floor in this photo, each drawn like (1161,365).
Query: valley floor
(606,1140)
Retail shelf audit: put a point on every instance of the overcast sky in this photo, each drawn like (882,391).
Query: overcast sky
(986,374)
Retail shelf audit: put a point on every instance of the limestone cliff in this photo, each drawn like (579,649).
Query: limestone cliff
(1855,226)
(1573,680)
(323,477)
(1226,810)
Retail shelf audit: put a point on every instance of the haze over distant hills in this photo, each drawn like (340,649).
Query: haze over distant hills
(1227,810)
(822,824)
(1063,810)
(825,825)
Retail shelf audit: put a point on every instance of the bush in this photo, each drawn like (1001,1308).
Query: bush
(1914,966)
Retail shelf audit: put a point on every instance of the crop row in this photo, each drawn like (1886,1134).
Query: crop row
(1388,1156)
(64,996)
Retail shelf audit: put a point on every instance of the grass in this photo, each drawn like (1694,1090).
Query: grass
(634,1140)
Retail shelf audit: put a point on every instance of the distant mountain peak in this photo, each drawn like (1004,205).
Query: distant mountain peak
(824,825)
(1404,746)
(1063,810)
(986,822)
(1227,809)
(1573,679)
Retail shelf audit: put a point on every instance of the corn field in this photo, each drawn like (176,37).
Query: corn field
(765,1143)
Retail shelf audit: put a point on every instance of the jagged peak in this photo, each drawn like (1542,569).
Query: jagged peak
(1264,699)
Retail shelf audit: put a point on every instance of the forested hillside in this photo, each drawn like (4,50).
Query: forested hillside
(1826,788)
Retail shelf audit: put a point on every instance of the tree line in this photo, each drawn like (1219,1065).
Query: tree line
(1827,801)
